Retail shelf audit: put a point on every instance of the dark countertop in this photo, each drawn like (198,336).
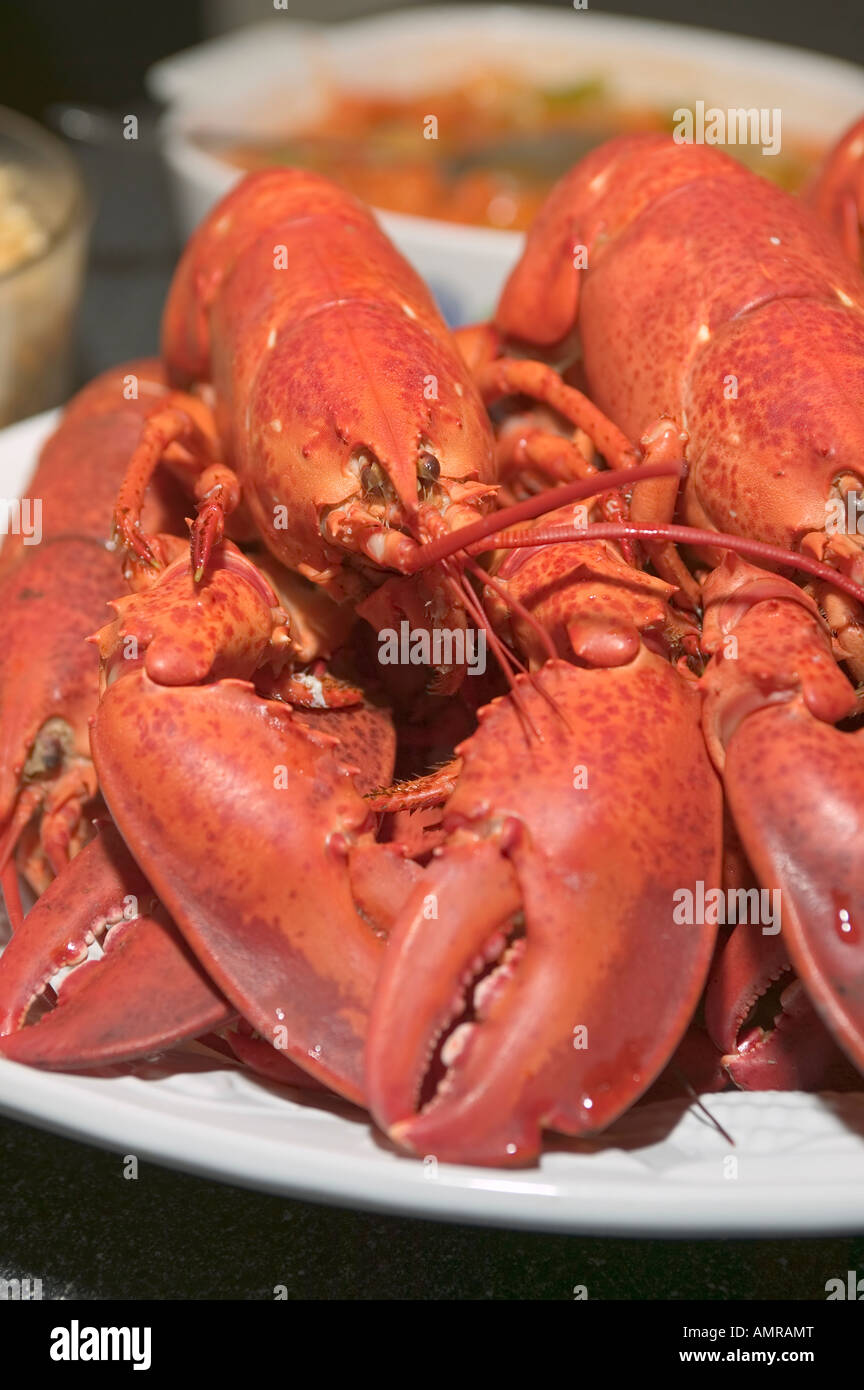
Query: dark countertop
(68,1216)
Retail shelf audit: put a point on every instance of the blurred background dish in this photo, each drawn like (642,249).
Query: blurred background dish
(43,233)
(453,121)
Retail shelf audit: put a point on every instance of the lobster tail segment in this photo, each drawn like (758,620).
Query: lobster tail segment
(793,780)
(537,978)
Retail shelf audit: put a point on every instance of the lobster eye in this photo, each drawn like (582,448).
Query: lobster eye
(372,477)
(428,468)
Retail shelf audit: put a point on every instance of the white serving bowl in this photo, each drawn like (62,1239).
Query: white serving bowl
(276,75)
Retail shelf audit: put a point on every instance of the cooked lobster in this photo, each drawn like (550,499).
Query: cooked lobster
(321,416)
(752,344)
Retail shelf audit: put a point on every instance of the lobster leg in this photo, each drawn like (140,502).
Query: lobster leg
(146,993)
(180,427)
(530,458)
(507,376)
(792,779)
(83,462)
(545,924)
(11,887)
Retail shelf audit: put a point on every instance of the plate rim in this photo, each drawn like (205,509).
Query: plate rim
(482,1197)
(86,1109)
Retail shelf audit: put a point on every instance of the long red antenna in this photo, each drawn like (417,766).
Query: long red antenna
(430,552)
(681,535)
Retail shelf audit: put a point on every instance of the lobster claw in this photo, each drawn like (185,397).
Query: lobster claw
(538,963)
(146,993)
(49,683)
(238,857)
(783,769)
(758,1013)
(792,779)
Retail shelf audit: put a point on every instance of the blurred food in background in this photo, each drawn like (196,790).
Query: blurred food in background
(43,231)
(518,94)
(22,238)
(498,145)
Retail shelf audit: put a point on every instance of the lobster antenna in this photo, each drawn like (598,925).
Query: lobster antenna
(431,552)
(691,1091)
(507,660)
(528,616)
(681,535)
(513,602)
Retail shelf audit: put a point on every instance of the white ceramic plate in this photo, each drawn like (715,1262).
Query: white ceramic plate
(275,75)
(797,1166)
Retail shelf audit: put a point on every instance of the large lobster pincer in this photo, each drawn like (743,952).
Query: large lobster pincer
(236,809)
(233,807)
(535,980)
(774,698)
